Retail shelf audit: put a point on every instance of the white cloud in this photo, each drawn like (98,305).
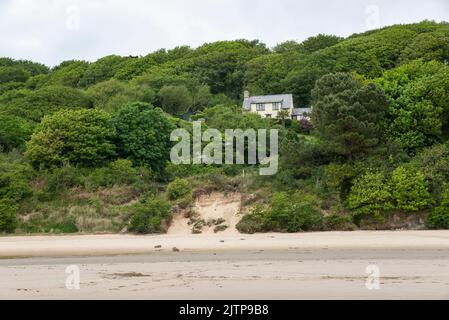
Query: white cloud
(51,31)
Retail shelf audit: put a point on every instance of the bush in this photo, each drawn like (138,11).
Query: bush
(336,222)
(254,222)
(149,216)
(178,189)
(370,194)
(8,216)
(288,213)
(14,177)
(143,135)
(64,178)
(439,218)
(296,213)
(409,190)
(80,137)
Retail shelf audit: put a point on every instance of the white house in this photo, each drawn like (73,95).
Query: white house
(269,106)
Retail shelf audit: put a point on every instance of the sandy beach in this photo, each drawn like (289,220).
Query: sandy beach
(412,265)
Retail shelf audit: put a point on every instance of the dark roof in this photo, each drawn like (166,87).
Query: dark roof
(286,99)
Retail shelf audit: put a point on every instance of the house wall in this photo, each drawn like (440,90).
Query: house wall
(268,110)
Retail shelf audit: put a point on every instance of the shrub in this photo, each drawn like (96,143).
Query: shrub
(370,194)
(72,136)
(67,225)
(253,222)
(64,178)
(439,218)
(149,216)
(143,135)
(8,216)
(288,213)
(409,190)
(178,189)
(14,178)
(337,222)
(294,213)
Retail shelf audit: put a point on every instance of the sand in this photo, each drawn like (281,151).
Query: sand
(99,245)
(211,207)
(412,264)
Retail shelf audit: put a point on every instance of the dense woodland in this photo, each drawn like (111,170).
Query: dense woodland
(85,145)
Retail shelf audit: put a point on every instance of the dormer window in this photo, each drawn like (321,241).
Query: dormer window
(260,107)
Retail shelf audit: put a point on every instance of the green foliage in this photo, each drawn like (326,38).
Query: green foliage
(348,116)
(370,194)
(143,135)
(14,131)
(178,189)
(80,137)
(101,70)
(13,74)
(319,42)
(175,100)
(63,178)
(33,105)
(112,94)
(149,216)
(427,46)
(294,213)
(68,73)
(8,215)
(419,100)
(14,177)
(439,217)
(433,162)
(288,213)
(265,73)
(254,222)
(409,190)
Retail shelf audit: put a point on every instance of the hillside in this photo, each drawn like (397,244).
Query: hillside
(85,146)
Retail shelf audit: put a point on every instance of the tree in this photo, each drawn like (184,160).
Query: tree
(370,194)
(283,115)
(428,46)
(439,217)
(112,94)
(143,135)
(149,216)
(348,115)
(8,215)
(419,103)
(264,74)
(80,137)
(101,70)
(318,42)
(409,190)
(201,99)
(13,74)
(175,100)
(14,131)
(33,105)
(68,73)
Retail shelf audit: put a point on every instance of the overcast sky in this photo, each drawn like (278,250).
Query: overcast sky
(51,31)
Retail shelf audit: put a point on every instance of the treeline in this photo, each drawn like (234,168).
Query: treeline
(376,146)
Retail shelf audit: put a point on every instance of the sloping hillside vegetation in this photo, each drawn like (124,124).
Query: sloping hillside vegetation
(85,146)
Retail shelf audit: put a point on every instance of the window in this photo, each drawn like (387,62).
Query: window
(260,107)
(268,115)
(276,106)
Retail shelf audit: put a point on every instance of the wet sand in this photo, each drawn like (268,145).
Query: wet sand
(412,265)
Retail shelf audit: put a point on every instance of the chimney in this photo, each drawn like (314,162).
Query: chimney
(246,94)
